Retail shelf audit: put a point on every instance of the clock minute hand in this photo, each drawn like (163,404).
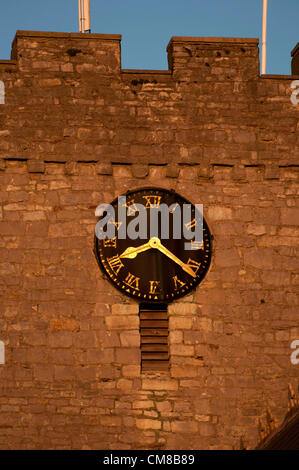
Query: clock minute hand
(156,243)
(132,251)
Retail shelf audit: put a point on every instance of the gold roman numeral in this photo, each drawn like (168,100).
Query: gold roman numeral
(194,265)
(177,283)
(115,264)
(196,245)
(152,201)
(175,208)
(154,287)
(191,225)
(109,243)
(131,206)
(117,224)
(132,281)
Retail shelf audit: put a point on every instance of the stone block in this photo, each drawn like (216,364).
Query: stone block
(184,426)
(128,322)
(35,166)
(175,337)
(85,339)
(244,137)
(140,171)
(110,421)
(239,173)
(183,308)
(181,350)
(125,309)
(127,355)
(71,168)
(204,324)
(181,371)
(290,216)
(148,424)
(124,384)
(207,429)
(262,258)
(163,406)
(227,258)
(180,323)
(104,169)
(205,171)
(159,384)
(272,173)
(43,373)
(131,371)
(219,213)
(64,373)
(143,404)
(130,338)
(61,339)
(172,171)
(68,324)
(276,278)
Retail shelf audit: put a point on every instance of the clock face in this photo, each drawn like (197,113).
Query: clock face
(155,268)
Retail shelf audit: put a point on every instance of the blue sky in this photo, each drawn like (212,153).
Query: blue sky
(147,26)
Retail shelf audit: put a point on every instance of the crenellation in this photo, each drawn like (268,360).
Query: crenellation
(295,60)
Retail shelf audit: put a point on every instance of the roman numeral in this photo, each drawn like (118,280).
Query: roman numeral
(177,283)
(152,201)
(117,224)
(110,242)
(175,208)
(132,281)
(194,265)
(154,287)
(115,264)
(131,206)
(196,245)
(191,225)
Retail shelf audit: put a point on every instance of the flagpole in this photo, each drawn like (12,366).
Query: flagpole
(264,38)
(84,16)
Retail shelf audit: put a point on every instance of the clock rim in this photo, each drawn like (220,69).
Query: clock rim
(151,301)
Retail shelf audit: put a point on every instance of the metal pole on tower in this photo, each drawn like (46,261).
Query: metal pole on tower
(84,16)
(264,38)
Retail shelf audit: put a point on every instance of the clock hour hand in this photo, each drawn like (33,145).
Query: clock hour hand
(132,251)
(156,243)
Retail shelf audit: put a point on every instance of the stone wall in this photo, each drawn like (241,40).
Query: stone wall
(75,131)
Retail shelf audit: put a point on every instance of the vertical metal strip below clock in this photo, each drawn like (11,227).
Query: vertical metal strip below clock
(154,337)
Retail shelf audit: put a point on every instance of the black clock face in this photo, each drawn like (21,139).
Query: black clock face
(155,268)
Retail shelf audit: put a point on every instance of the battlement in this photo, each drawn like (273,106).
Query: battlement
(189,58)
(65,97)
(295,60)
(67,52)
(100,53)
(212,57)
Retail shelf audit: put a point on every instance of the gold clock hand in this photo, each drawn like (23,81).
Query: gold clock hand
(132,251)
(156,243)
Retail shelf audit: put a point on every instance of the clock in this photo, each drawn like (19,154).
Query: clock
(155,268)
